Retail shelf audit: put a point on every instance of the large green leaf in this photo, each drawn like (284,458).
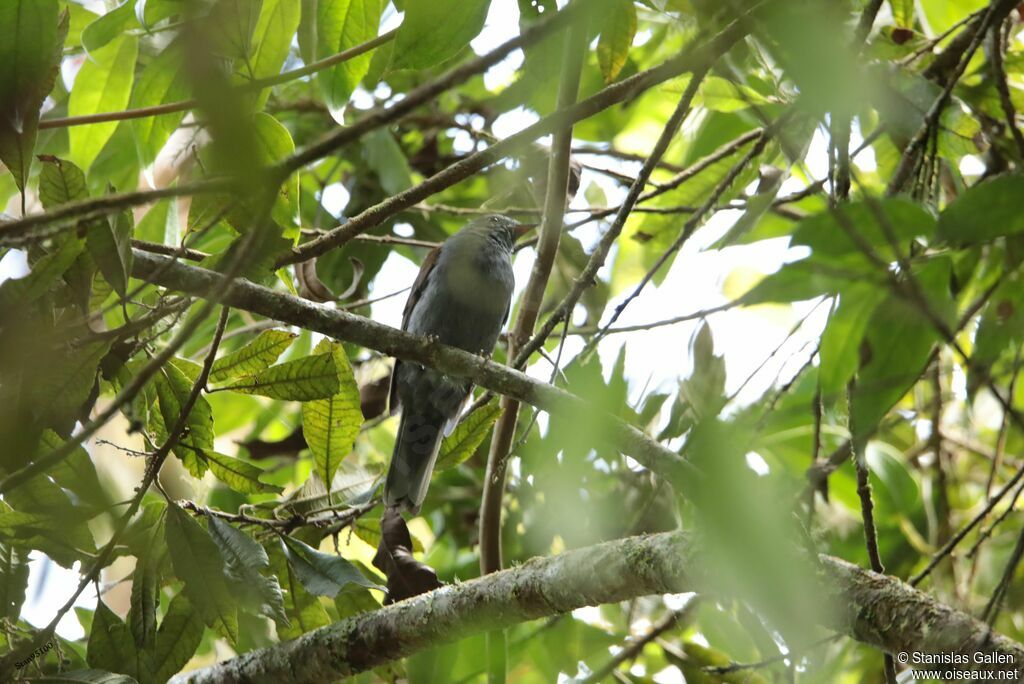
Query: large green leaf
(340,25)
(60,182)
(897,347)
(231,25)
(253,357)
(179,635)
(240,475)
(161,82)
(304,611)
(351,483)
(173,389)
(829,233)
(1000,331)
(45,272)
(198,562)
(311,377)
(107,27)
(145,590)
(984,212)
(244,560)
(272,38)
(62,386)
(31,38)
(76,473)
(331,425)
(435,31)
(103,84)
(617,31)
(111,646)
(322,574)
(840,342)
(467,436)
(109,241)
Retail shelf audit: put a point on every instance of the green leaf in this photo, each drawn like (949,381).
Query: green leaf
(179,635)
(840,342)
(1000,330)
(272,38)
(796,282)
(340,25)
(353,601)
(304,611)
(61,388)
(828,233)
(351,482)
(173,389)
(109,242)
(244,558)
(311,377)
(435,31)
(13,581)
(60,182)
(232,23)
(107,27)
(44,274)
(111,646)
(146,587)
(722,95)
(161,82)
(76,473)
(30,53)
(275,143)
(385,156)
(320,573)
(103,84)
(198,562)
(331,425)
(240,475)
(985,212)
(467,436)
(262,351)
(897,347)
(903,13)
(617,31)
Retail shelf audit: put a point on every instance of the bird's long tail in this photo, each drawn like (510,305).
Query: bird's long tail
(412,463)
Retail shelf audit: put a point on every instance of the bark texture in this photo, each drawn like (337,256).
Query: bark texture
(875,609)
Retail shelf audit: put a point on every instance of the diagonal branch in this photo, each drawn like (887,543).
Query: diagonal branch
(342,325)
(874,609)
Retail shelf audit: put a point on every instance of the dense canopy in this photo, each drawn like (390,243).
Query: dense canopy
(765,340)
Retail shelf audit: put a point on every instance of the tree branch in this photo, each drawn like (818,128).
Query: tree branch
(342,325)
(877,610)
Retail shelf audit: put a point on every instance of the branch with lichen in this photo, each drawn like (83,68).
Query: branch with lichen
(874,609)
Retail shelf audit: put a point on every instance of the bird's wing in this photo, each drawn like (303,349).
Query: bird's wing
(414,296)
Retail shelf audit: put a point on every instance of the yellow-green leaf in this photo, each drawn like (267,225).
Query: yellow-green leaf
(311,377)
(467,436)
(103,84)
(617,33)
(331,425)
(240,475)
(253,357)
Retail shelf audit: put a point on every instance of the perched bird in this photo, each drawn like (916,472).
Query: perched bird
(461,297)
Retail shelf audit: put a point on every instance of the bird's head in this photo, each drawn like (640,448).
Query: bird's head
(502,229)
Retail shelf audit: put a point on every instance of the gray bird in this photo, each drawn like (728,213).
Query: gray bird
(461,297)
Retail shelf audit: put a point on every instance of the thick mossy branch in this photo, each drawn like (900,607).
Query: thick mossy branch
(875,609)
